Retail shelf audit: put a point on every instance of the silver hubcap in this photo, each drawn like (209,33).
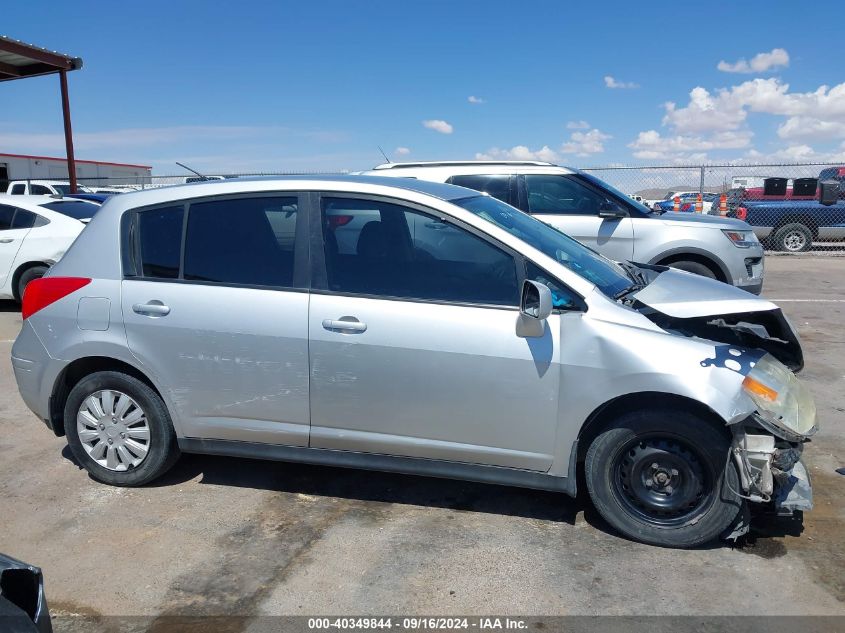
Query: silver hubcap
(113,430)
(794,241)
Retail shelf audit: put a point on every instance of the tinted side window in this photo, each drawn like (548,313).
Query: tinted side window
(40,190)
(160,237)
(18,189)
(497,186)
(378,248)
(560,194)
(242,241)
(23,219)
(6,215)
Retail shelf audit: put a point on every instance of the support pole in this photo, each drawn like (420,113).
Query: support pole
(71,162)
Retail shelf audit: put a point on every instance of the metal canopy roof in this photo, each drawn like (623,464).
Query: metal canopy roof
(19,60)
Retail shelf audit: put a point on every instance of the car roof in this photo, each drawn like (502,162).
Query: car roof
(445,169)
(366,184)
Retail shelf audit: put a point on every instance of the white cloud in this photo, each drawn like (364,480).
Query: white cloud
(519,152)
(800,153)
(760,63)
(809,128)
(578,125)
(579,143)
(473,99)
(160,136)
(651,145)
(585,143)
(718,120)
(610,82)
(704,112)
(402,151)
(438,125)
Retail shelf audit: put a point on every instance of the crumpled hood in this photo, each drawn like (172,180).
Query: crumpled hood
(681,294)
(697,306)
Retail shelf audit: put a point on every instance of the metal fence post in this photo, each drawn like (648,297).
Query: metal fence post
(701,182)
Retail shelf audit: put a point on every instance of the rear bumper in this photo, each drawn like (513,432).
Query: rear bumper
(32,364)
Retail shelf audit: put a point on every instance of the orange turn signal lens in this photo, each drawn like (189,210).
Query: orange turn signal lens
(759,389)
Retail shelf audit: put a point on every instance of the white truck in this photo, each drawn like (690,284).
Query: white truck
(42,188)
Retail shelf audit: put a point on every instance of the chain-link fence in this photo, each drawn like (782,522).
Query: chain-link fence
(792,208)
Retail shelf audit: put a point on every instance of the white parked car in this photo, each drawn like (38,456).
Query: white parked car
(41,188)
(35,231)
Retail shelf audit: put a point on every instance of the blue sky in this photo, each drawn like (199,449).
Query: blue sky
(262,85)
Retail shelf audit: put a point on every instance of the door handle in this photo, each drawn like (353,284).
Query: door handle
(153,308)
(345,324)
(7,240)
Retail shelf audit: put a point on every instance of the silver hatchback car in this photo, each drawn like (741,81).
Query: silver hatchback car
(412,326)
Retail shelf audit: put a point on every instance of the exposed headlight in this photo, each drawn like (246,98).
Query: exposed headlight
(784,403)
(740,239)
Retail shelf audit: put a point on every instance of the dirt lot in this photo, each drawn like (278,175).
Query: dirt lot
(222,535)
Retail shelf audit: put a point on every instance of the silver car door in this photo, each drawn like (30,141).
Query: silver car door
(413,345)
(225,332)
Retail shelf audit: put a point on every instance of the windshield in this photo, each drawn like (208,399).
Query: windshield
(76,209)
(607,275)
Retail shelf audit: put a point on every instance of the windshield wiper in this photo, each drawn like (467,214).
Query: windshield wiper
(636,276)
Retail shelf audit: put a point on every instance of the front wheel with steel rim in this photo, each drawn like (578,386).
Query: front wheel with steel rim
(660,477)
(793,238)
(119,429)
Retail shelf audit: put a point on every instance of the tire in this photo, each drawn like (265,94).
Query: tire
(793,238)
(30,274)
(694,267)
(106,462)
(688,502)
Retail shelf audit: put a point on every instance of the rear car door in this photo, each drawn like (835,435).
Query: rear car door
(219,316)
(573,206)
(14,226)
(413,345)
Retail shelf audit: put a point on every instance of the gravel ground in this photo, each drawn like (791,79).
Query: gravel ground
(235,536)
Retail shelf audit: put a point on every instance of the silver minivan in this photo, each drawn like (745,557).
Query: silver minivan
(403,325)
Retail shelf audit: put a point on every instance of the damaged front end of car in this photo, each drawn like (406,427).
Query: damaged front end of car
(761,346)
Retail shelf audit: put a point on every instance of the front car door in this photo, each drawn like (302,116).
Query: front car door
(573,206)
(220,317)
(412,341)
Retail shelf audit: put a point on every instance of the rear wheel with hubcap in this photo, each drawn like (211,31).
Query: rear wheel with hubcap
(119,429)
(658,476)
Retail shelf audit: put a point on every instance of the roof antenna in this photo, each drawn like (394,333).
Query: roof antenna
(191,170)
(382,153)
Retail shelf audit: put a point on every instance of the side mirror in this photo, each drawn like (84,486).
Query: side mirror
(535,307)
(828,192)
(611,211)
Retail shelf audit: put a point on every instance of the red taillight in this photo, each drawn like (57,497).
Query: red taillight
(338,220)
(741,213)
(40,293)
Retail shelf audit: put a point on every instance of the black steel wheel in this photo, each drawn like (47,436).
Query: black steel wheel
(661,476)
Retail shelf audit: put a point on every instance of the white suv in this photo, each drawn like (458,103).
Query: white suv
(606,219)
